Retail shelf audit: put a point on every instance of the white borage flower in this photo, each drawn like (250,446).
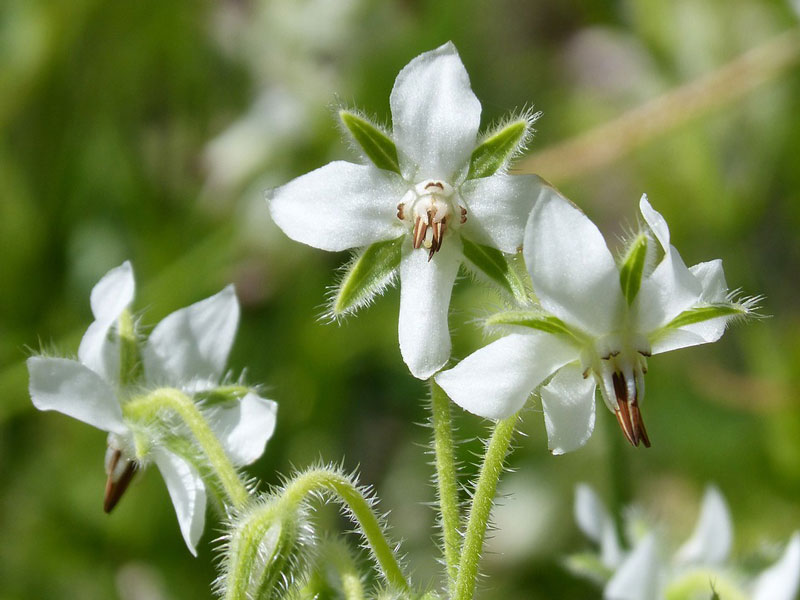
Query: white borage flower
(598,323)
(187,350)
(699,568)
(430,198)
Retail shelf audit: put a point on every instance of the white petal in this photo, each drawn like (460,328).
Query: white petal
(435,115)
(782,580)
(110,297)
(714,289)
(425,288)
(188,494)
(495,381)
(244,428)
(70,388)
(594,520)
(497,209)
(573,273)
(711,541)
(193,343)
(568,403)
(670,288)
(639,576)
(339,206)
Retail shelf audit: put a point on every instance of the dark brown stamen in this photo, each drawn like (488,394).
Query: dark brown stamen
(420,229)
(401,211)
(115,489)
(463,215)
(628,413)
(437,184)
(438,234)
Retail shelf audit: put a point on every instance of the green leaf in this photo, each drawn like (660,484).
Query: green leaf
(378,146)
(497,268)
(705,313)
(367,274)
(632,267)
(532,319)
(496,150)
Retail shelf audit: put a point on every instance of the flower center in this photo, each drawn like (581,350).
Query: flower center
(619,370)
(429,207)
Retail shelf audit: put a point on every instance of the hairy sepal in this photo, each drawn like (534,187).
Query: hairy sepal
(529,319)
(496,267)
(501,145)
(706,313)
(376,145)
(632,266)
(367,275)
(263,552)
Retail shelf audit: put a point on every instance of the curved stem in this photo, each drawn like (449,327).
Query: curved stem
(323,480)
(496,450)
(145,408)
(611,140)
(342,559)
(446,480)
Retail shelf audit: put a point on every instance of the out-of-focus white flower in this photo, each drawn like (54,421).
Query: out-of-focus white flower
(598,323)
(187,351)
(699,568)
(421,188)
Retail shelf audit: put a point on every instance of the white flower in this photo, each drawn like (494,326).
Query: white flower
(599,323)
(699,565)
(430,200)
(187,351)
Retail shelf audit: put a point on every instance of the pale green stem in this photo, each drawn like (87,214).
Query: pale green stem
(446,480)
(144,408)
(323,480)
(340,556)
(611,140)
(482,501)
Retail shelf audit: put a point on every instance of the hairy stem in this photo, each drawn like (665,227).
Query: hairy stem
(323,480)
(446,481)
(496,450)
(146,408)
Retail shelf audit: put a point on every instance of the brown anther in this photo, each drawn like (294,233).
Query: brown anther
(438,234)
(628,414)
(115,489)
(463,215)
(401,211)
(421,229)
(645,353)
(435,184)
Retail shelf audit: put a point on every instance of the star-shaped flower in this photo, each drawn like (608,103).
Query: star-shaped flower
(187,351)
(598,323)
(696,570)
(432,194)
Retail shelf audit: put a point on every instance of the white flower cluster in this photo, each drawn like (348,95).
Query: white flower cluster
(700,568)
(593,321)
(186,351)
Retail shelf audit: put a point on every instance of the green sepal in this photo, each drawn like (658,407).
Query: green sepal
(497,149)
(706,313)
(589,566)
(378,146)
(631,268)
(130,362)
(224,394)
(531,319)
(366,275)
(497,268)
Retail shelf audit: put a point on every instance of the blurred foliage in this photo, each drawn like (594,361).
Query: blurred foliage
(148,131)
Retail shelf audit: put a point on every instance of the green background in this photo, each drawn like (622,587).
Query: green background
(116,143)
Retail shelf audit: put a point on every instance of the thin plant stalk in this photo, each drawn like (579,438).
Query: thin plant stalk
(482,502)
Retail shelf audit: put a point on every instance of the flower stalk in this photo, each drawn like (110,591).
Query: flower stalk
(142,409)
(482,501)
(446,480)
